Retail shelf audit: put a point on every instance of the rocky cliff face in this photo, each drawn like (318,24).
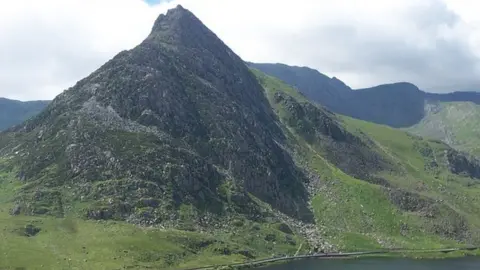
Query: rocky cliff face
(345,150)
(178,120)
(462,164)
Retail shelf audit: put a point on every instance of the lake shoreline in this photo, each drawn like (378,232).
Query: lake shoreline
(388,253)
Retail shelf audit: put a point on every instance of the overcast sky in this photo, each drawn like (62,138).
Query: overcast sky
(48,45)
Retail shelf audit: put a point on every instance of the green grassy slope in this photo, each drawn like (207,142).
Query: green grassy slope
(457,123)
(75,243)
(420,204)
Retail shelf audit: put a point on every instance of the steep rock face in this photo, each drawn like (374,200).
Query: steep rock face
(440,219)
(342,148)
(177,120)
(461,164)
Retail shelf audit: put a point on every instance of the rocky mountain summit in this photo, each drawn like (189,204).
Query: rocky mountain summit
(178,120)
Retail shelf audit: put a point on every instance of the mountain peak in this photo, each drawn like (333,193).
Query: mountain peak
(179,7)
(179,26)
(339,84)
(175,14)
(406,84)
(189,101)
(396,86)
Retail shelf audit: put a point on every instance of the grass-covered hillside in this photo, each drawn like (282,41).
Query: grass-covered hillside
(71,242)
(416,193)
(457,123)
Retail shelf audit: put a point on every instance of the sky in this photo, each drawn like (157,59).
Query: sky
(48,45)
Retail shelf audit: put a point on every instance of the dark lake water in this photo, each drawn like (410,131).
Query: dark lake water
(469,263)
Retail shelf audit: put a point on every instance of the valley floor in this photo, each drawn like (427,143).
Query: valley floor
(70,243)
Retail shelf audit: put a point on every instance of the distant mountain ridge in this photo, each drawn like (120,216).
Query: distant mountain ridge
(399,105)
(13,112)
(313,84)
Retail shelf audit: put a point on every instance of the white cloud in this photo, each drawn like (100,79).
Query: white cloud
(47,45)
(432,43)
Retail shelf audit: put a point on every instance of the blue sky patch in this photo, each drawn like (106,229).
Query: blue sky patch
(153,2)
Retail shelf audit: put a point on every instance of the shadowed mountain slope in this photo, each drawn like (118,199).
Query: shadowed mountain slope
(14,112)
